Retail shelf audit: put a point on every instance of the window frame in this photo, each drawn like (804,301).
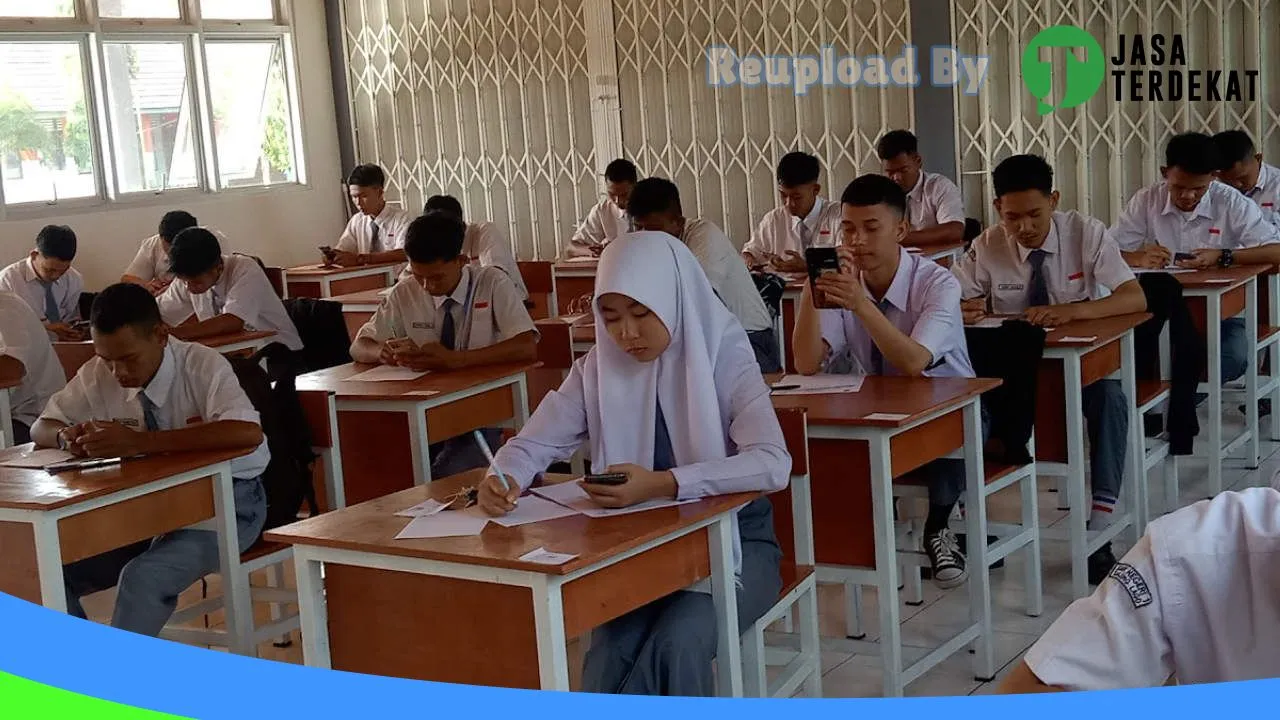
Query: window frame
(92,32)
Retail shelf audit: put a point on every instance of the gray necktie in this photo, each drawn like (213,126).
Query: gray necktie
(447,331)
(148,413)
(1038,293)
(51,311)
(375,242)
(877,358)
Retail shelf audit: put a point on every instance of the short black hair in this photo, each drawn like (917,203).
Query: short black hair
(798,168)
(621,170)
(1192,152)
(654,195)
(124,304)
(895,143)
(434,237)
(444,203)
(367,175)
(174,222)
(1234,146)
(57,241)
(873,189)
(1022,172)
(194,251)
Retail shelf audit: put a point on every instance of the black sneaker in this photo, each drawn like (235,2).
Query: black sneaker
(946,559)
(1264,408)
(1100,564)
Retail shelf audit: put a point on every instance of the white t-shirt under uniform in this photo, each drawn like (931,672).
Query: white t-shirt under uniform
(23,338)
(243,290)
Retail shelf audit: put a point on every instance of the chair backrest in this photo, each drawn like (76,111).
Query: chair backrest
(72,355)
(538,281)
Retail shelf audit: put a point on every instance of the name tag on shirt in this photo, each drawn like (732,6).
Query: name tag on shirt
(421,326)
(1010,286)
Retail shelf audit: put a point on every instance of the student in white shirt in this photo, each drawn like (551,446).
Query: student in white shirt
(934,206)
(655,206)
(805,220)
(375,234)
(1244,170)
(150,267)
(48,283)
(1051,266)
(896,314)
(25,352)
(670,396)
(607,220)
(448,315)
(216,294)
(1194,600)
(484,242)
(1189,212)
(146,393)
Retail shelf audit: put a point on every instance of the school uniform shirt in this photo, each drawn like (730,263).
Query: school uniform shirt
(20,279)
(486,243)
(23,338)
(359,236)
(1266,193)
(923,301)
(151,262)
(487,310)
(780,231)
(243,290)
(935,200)
(729,277)
(194,385)
(1080,260)
(1195,598)
(1223,219)
(604,223)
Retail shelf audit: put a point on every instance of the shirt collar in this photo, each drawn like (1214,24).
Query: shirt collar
(381,218)
(899,292)
(224,280)
(157,391)
(1203,209)
(459,293)
(811,220)
(1264,179)
(29,271)
(919,186)
(1050,244)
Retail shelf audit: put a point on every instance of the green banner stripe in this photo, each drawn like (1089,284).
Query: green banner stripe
(21,699)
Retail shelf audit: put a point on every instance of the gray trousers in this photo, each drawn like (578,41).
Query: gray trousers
(152,574)
(768,354)
(666,647)
(1235,349)
(460,454)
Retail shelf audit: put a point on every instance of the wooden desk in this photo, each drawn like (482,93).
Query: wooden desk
(238,342)
(317,281)
(358,308)
(573,279)
(47,521)
(483,616)
(852,463)
(1213,296)
(945,254)
(386,428)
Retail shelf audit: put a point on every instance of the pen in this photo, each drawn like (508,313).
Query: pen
(488,455)
(82,464)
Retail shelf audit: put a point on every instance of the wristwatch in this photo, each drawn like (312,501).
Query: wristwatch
(1226,259)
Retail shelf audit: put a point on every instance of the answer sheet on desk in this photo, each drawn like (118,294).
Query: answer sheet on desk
(532,509)
(450,523)
(29,458)
(571,495)
(818,384)
(388,373)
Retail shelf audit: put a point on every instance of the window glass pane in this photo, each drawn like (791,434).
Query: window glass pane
(37,8)
(45,146)
(149,107)
(237,9)
(252,124)
(138,9)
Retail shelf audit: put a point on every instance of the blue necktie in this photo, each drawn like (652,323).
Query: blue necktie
(148,413)
(1038,293)
(51,311)
(664,457)
(877,358)
(447,332)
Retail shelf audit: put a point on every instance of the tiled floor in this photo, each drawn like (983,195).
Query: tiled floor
(943,613)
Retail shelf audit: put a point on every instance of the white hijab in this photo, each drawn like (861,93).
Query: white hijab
(657,270)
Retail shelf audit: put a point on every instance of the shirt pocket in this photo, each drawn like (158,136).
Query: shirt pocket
(1008,297)
(482,332)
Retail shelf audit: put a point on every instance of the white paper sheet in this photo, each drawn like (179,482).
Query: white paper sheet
(818,384)
(532,509)
(453,523)
(1171,269)
(14,457)
(1071,339)
(422,509)
(990,322)
(571,495)
(543,556)
(887,417)
(388,373)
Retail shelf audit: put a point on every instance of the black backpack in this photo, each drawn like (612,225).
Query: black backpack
(287,479)
(325,342)
(771,287)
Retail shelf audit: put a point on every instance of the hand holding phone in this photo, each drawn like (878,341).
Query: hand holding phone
(1179,257)
(615,478)
(329,255)
(821,261)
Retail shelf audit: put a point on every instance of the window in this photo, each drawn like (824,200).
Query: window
(102,101)
(45,133)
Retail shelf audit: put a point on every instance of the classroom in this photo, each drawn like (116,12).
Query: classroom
(942,339)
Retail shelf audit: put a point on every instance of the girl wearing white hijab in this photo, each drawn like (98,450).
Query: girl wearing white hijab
(674,398)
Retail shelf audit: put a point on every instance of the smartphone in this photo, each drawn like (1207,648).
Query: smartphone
(328,253)
(606,479)
(821,261)
(1178,257)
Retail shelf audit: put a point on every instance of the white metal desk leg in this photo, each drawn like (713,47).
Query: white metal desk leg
(53,589)
(886,565)
(1273,350)
(984,661)
(724,592)
(331,459)
(1213,307)
(6,420)
(313,615)
(420,446)
(548,618)
(237,603)
(1078,518)
(521,389)
(1137,494)
(1253,459)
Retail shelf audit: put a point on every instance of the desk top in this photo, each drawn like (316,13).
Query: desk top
(1224,279)
(317,270)
(1103,330)
(911,397)
(935,249)
(364,297)
(10,381)
(372,526)
(32,489)
(334,380)
(583,264)
(214,342)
